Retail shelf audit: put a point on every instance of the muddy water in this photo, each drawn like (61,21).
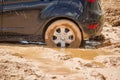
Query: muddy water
(88,54)
(34,53)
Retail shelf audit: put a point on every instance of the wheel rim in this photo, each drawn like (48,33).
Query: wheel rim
(63,36)
(63,33)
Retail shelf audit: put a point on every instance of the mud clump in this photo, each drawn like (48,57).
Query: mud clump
(17,70)
(111,11)
(98,76)
(112,61)
(112,15)
(111,36)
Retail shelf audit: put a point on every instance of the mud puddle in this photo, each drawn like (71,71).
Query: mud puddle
(54,63)
(88,54)
(43,55)
(35,51)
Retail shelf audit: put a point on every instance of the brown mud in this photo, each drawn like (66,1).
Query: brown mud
(37,62)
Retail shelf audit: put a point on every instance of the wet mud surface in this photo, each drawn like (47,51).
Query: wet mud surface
(38,62)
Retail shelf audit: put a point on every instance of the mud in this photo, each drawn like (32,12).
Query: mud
(111,11)
(37,62)
(34,62)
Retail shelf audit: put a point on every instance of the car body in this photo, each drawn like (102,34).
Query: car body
(28,20)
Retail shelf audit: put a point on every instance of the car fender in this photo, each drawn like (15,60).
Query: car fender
(62,8)
(56,11)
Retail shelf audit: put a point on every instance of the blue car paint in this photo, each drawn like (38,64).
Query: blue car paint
(79,11)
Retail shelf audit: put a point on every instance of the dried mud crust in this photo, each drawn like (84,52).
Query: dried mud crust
(111,11)
(111,37)
(112,15)
(101,68)
(18,68)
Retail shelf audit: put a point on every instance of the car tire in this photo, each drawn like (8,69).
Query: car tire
(63,33)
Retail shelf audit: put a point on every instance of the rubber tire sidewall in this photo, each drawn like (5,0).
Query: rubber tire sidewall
(51,28)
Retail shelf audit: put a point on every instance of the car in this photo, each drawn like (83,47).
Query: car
(58,23)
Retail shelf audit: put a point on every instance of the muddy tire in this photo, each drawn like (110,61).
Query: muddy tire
(63,33)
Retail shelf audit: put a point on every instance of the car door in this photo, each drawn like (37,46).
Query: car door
(1,9)
(22,16)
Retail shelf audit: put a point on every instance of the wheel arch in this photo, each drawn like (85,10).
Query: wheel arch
(60,18)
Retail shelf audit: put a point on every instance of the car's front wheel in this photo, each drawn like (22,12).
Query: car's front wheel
(63,33)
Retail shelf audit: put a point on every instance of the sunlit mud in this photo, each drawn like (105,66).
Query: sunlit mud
(57,63)
(88,54)
(38,62)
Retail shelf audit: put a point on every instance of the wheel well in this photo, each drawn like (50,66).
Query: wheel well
(59,18)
